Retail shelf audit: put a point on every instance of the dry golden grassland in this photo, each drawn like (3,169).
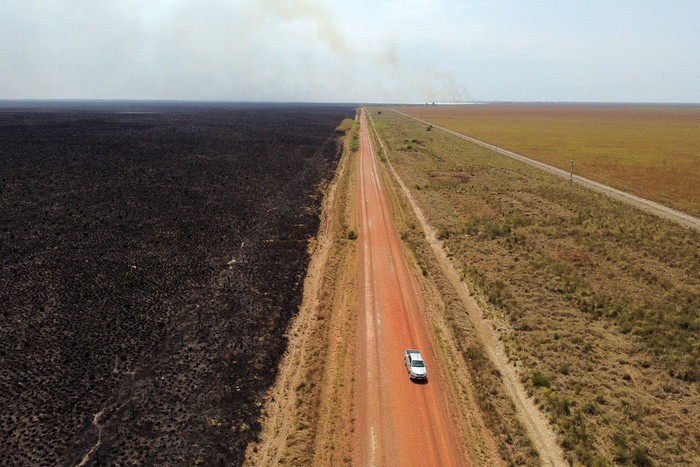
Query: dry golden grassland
(651,151)
(597,303)
(345,126)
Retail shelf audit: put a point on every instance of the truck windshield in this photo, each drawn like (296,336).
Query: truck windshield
(417,363)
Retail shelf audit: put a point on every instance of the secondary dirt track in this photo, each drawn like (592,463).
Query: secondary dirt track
(398,422)
(647,205)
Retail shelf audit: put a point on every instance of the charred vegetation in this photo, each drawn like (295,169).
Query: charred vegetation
(152,257)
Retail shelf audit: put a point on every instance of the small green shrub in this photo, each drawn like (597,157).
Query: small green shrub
(472,228)
(589,408)
(540,381)
(641,458)
(443,234)
(564,370)
(473,353)
(352,235)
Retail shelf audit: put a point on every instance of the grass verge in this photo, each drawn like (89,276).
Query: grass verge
(651,151)
(598,304)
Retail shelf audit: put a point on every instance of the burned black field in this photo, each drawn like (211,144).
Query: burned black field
(152,256)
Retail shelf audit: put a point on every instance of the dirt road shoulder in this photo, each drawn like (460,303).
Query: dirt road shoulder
(310,401)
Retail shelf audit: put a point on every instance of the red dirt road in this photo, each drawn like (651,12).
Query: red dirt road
(398,422)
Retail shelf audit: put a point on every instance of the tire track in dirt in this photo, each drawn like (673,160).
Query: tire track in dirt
(532,418)
(369,403)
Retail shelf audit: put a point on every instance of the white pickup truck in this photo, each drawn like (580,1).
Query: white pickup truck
(415,364)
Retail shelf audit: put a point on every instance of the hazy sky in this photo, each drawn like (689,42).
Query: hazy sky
(351,51)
